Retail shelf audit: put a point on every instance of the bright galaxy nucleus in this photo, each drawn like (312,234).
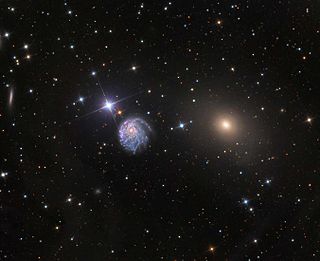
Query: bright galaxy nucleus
(134,134)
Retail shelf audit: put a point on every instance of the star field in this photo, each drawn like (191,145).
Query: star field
(220,99)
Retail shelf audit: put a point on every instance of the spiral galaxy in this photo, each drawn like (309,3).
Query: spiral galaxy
(134,135)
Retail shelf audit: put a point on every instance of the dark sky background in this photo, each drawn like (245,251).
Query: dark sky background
(198,190)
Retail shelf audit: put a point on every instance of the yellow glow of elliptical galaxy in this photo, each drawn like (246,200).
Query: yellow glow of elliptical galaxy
(226,125)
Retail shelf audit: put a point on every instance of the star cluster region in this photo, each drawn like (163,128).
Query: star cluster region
(230,89)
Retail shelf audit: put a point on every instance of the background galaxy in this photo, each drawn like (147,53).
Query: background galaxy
(231,90)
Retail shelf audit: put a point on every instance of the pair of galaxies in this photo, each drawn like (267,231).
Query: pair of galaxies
(134,132)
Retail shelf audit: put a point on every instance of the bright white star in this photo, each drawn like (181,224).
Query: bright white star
(108,105)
